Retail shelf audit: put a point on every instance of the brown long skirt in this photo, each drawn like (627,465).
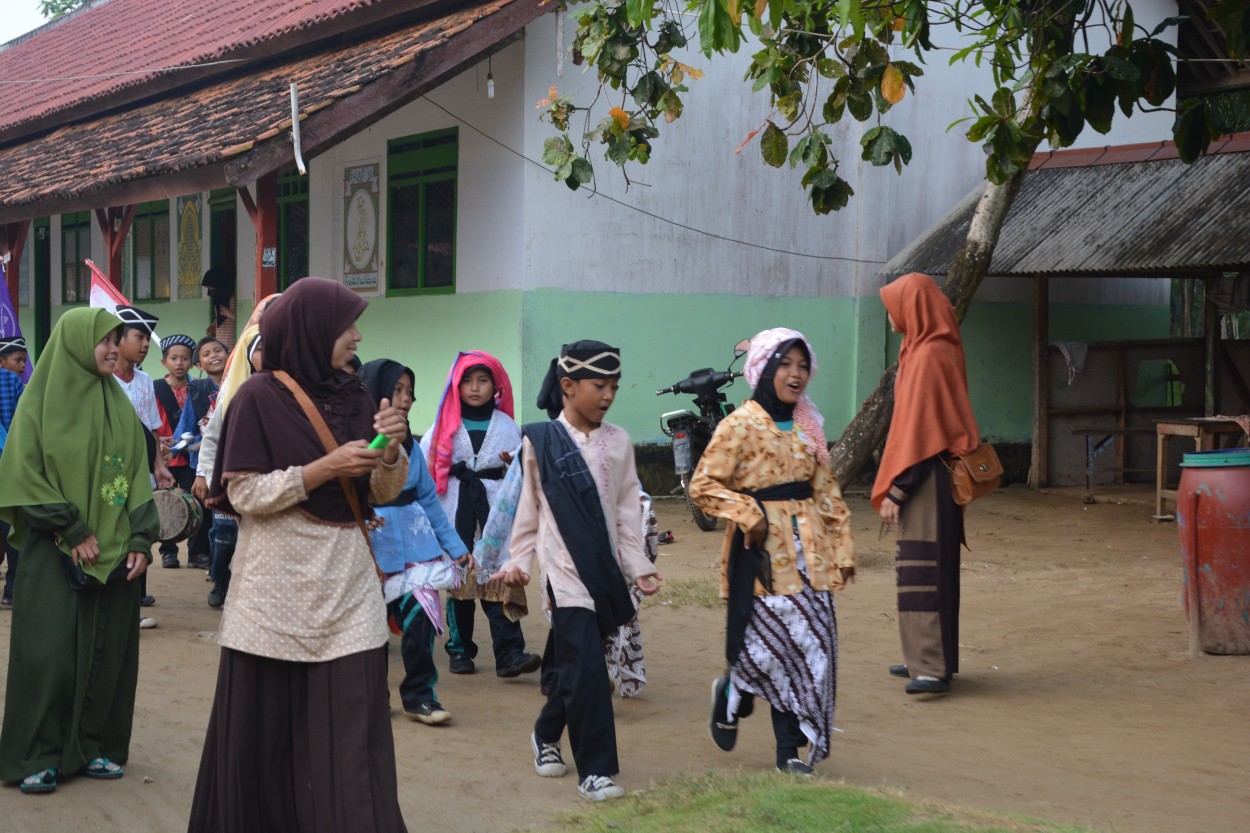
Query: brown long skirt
(299,748)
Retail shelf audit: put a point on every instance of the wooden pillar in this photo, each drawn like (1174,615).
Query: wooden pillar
(1212,333)
(1039,474)
(264,213)
(15,238)
(114,223)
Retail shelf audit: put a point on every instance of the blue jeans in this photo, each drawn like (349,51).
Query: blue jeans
(222,537)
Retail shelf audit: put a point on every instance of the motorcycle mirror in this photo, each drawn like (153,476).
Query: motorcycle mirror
(741,348)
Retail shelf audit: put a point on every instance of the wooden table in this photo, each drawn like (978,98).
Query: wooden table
(1204,431)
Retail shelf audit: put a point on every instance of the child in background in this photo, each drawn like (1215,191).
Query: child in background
(414,547)
(137,329)
(12,368)
(175,394)
(210,358)
(579,512)
(469,448)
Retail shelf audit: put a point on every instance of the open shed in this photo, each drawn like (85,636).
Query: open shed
(1134,211)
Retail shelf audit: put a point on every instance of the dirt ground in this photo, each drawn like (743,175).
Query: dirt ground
(1075,703)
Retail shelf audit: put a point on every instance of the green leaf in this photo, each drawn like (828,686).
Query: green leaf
(1120,69)
(583,171)
(833,197)
(1099,102)
(885,146)
(773,145)
(859,102)
(557,150)
(1191,131)
(1170,21)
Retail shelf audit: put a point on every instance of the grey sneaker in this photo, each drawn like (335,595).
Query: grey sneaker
(548,762)
(431,713)
(599,788)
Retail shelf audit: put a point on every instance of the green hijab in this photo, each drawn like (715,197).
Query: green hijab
(77,439)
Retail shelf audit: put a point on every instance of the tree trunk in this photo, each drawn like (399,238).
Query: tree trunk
(866,431)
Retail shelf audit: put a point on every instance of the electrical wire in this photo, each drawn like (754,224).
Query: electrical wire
(654,216)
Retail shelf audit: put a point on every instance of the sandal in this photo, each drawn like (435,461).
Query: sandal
(103,768)
(665,537)
(43,781)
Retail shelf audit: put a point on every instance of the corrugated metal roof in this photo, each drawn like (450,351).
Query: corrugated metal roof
(1158,217)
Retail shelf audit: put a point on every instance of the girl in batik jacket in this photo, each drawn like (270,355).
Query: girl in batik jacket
(766,471)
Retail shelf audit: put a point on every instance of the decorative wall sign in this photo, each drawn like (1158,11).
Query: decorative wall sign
(269,257)
(190,246)
(361,189)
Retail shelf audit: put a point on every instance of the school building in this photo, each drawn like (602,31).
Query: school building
(157,140)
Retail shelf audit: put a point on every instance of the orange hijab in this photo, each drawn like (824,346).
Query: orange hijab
(932,413)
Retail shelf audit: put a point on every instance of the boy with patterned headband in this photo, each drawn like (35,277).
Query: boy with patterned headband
(137,329)
(579,513)
(13,359)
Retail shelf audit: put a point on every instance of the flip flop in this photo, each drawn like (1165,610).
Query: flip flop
(665,537)
(43,781)
(103,769)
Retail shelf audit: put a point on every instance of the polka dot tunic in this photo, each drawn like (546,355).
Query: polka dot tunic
(300,589)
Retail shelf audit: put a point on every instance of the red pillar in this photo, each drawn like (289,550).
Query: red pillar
(264,213)
(115,225)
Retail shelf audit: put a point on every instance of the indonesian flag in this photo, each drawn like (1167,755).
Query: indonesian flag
(106,296)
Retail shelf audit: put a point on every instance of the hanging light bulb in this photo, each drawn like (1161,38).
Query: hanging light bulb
(490,80)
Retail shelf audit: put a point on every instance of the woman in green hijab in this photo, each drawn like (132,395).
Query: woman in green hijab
(77,493)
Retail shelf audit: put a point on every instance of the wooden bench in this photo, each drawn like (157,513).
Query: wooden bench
(1096,442)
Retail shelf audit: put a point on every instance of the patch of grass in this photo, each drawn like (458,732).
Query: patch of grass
(683,592)
(736,803)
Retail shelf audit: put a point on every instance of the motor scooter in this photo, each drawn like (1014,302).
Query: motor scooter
(690,431)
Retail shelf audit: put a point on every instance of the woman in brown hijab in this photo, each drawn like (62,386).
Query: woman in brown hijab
(932,421)
(300,734)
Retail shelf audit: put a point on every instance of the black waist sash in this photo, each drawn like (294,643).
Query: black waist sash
(747,565)
(473,505)
(574,501)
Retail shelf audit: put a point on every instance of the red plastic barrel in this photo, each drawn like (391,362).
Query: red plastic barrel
(1213,516)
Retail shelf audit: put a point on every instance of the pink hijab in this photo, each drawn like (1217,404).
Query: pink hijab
(806,415)
(447,422)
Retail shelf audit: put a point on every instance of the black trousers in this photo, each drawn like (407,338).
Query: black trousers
(581,697)
(10,552)
(416,647)
(197,544)
(506,638)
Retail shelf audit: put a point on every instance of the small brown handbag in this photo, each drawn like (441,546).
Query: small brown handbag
(975,474)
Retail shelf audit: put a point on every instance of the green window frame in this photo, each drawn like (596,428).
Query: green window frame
(421,200)
(293,229)
(149,255)
(75,248)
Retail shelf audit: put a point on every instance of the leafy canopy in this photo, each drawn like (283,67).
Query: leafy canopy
(1054,68)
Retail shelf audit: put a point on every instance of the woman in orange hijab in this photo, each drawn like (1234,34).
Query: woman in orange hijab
(932,421)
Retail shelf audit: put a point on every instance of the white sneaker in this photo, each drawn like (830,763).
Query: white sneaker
(600,788)
(548,762)
(147,622)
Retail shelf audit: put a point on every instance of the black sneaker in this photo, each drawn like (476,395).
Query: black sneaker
(198,562)
(6,601)
(795,766)
(170,562)
(599,788)
(724,731)
(460,664)
(518,665)
(147,601)
(217,596)
(548,762)
(431,713)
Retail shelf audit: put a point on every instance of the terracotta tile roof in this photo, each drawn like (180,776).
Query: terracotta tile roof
(114,45)
(214,135)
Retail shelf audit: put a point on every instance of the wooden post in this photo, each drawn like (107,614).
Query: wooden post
(1212,333)
(114,224)
(264,214)
(1121,415)
(1038,466)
